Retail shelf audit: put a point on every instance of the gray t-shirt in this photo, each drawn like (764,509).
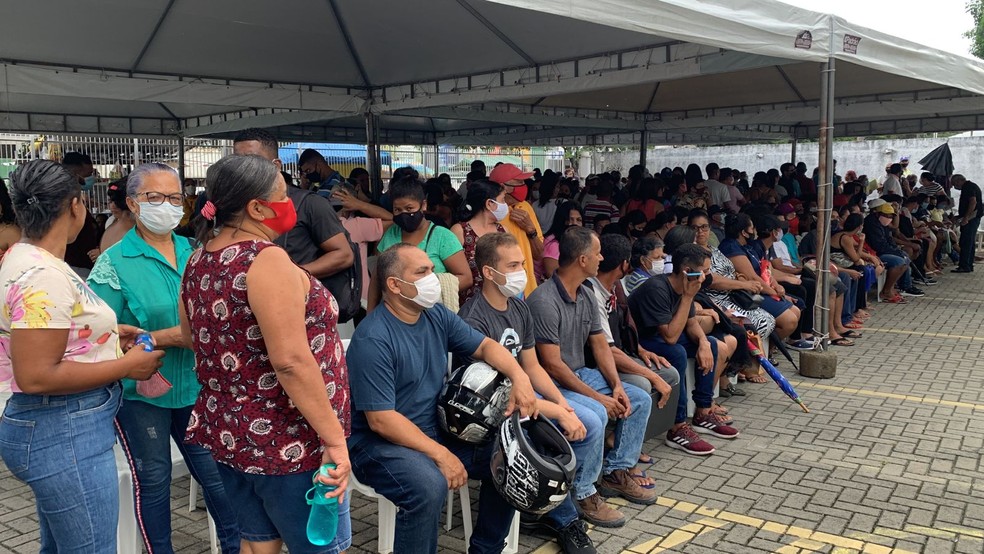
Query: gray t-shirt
(556,314)
(513,328)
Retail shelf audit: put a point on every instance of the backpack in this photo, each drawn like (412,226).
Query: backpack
(346,285)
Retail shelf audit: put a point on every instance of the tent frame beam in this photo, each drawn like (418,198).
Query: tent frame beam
(349,44)
(496,31)
(152,36)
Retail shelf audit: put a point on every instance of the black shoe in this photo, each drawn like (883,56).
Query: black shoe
(913,291)
(574,539)
(531,523)
(961,270)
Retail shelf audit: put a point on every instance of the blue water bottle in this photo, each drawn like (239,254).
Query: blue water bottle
(144,340)
(323,520)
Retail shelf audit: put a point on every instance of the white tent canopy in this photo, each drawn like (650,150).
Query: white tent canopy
(469,71)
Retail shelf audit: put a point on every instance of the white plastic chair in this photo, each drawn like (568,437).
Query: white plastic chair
(127,535)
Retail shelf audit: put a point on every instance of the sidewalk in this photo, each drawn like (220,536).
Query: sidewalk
(888,460)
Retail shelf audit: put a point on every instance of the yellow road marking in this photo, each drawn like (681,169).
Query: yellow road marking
(895,396)
(806,539)
(924,334)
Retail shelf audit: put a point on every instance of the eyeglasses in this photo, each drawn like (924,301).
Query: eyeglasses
(701,228)
(158,198)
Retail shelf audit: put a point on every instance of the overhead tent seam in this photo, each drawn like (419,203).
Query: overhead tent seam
(670,40)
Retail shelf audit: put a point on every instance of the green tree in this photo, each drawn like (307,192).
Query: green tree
(976,35)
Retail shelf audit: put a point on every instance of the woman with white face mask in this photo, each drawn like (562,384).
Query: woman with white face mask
(485,206)
(140,278)
(647,260)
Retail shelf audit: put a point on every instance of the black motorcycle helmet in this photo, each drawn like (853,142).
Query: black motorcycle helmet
(532,464)
(473,403)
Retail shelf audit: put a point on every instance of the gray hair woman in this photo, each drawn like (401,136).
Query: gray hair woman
(140,278)
(266,342)
(60,356)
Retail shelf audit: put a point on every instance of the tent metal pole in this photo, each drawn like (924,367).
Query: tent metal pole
(643,147)
(825,202)
(372,156)
(181,159)
(792,152)
(437,158)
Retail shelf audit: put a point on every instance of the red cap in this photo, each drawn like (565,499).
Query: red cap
(504,173)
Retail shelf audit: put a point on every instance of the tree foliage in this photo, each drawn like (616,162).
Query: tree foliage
(976,35)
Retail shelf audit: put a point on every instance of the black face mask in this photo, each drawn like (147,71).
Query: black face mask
(313,176)
(708,279)
(409,222)
(637,233)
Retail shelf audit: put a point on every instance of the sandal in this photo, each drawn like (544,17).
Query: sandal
(646,459)
(850,334)
(757,378)
(731,390)
(643,480)
(719,409)
(842,341)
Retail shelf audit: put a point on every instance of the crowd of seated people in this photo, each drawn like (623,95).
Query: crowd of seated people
(605,303)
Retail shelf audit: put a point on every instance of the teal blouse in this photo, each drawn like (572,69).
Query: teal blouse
(144,289)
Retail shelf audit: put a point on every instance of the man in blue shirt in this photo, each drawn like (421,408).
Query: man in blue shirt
(398,357)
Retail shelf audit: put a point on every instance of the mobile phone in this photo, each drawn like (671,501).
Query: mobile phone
(693,276)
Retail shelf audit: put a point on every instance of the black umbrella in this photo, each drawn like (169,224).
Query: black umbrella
(939,161)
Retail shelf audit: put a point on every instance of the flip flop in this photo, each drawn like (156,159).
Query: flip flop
(851,334)
(842,341)
(646,459)
(642,475)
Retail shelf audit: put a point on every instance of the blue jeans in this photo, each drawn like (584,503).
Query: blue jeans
(271,507)
(145,433)
(629,432)
(62,447)
(413,482)
(892,261)
(677,355)
(850,298)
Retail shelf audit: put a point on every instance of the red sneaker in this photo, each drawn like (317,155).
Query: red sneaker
(684,438)
(712,424)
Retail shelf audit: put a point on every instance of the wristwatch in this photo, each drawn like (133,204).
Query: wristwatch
(531,235)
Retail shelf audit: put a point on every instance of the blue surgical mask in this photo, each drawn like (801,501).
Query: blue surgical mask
(89,182)
(925,205)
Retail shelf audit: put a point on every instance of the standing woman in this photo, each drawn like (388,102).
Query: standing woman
(123,218)
(274,403)
(485,206)
(410,226)
(140,278)
(60,356)
(9,231)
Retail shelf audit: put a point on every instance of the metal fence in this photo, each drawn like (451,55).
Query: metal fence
(115,156)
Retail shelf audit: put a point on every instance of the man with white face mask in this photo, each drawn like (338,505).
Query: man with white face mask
(399,361)
(499,314)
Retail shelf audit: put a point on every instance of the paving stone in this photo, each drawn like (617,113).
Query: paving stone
(866,467)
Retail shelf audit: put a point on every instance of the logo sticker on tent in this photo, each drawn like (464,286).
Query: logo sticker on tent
(804,40)
(851,44)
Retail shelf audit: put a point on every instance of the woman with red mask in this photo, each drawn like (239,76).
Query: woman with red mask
(274,404)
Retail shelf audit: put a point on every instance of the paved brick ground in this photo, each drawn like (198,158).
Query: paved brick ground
(888,460)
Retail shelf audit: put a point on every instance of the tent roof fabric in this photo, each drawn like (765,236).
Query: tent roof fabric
(468,70)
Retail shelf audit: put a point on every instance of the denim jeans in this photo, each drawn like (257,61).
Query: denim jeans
(145,434)
(413,482)
(850,297)
(62,447)
(629,432)
(677,355)
(892,261)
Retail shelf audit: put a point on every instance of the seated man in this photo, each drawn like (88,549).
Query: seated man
(879,236)
(649,372)
(564,321)
(399,355)
(498,314)
(663,309)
